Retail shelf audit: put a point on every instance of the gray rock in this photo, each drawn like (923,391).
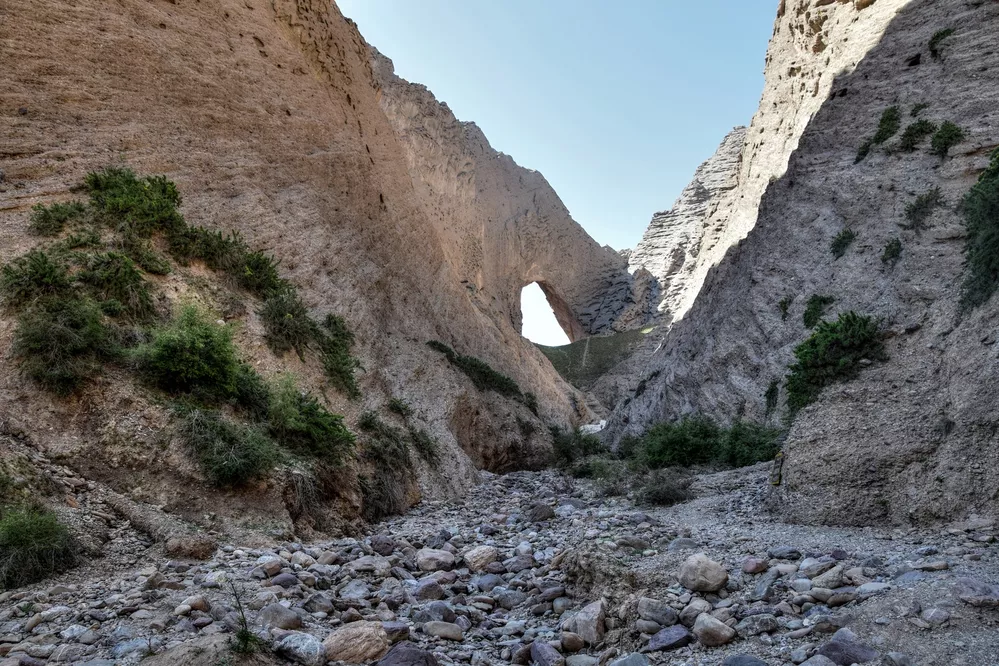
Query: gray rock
(519,563)
(396,631)
(647,627)
(383,545)
(301,648)
(277,616)
(977,593)
(428,589)
(487,582)
(819,660)
(702,574)
(935,616)
(510,599)
(754,625)
(765,587)
(743,660)
(285,580)
(898,659)
(696,606)
(543,654)
(408,654)
(670,638)
(657,611)
(429,559)
(682,543)
(712,632)
(356,590)
(572,642)
(633,659)
(588,623)
(845,649)
(539,512)
(447,630)
(318,603)
(785,553)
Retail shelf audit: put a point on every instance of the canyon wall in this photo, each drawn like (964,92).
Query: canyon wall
(504,226)
(266,115)
(912,438)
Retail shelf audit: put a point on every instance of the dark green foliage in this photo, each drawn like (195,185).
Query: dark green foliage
(62,342)
(833,353)
(425,445)
(863,151)
(133,205)
(244,641)
(914,134)
(665,487)
(948,136)
(229,453)
(921,209)
(480,372)
(192,354)
(385,451)
(936,40)
(841,242)
(252,396)
(570,446)
(531,401)
(335,341)
(298,422)
(918,108)
(892,252)
(783,305)
(258,274)
(33,545)
(981,251)
(141,251)
(287,324)
(114,277)
(400,407)
(33,276)
(815,308)
(771,396)
(696,440)
(888,126)
(51,220)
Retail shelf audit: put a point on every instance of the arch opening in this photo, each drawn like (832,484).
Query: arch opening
(538,321)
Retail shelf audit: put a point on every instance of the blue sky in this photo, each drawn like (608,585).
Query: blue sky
(616,103)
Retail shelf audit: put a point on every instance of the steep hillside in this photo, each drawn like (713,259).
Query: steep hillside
(877,227)
(265,114)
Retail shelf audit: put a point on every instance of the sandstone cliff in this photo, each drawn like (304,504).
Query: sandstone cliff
(266,115)
(913,438)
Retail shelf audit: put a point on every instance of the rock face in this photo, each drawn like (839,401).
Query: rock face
(864,450)
(678,244)
(504,227)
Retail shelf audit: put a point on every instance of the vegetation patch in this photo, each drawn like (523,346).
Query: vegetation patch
(287,324)
(51,220)
(914,135)
(981,251)
(771,396)
(572,445)
(834,352)
(784,305)
(582,362)
(948,136)
(937,39)
(841,242)
(34,544)
(384,449)
(815,308)
(299,423)
(921,209)
(892,252)
(918,108)
(665,487)
(400,407)
(888,126)
(229,453)
(33,276)
(116,279)
(698,440)
(483,375)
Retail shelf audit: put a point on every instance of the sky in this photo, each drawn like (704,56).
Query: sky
(615,102)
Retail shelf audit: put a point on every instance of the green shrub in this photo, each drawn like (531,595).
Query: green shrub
(425,445)
(690,441)
(888,126)
(400,407)
(141,251)
(229,453)
(833,353)
(252,395)
(914,134)
(783,305)
(114,277)
(531,402)
(192,354)
(948,136)
(133,205)
(863,151)
(258,274)
(480,372)
(335,341)
(841,242)
(33,545)
(892,252)
(746,443)
(62,342)
(981,250)
(937,39)
(33,276)
(771,396)
(815,308)
(383,490)
(921,209)
(918,108)
(51,220)
(298,422)
(287,324)
(665,487)
(570,446)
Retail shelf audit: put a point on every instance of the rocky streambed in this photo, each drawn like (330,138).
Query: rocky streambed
(535,568)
